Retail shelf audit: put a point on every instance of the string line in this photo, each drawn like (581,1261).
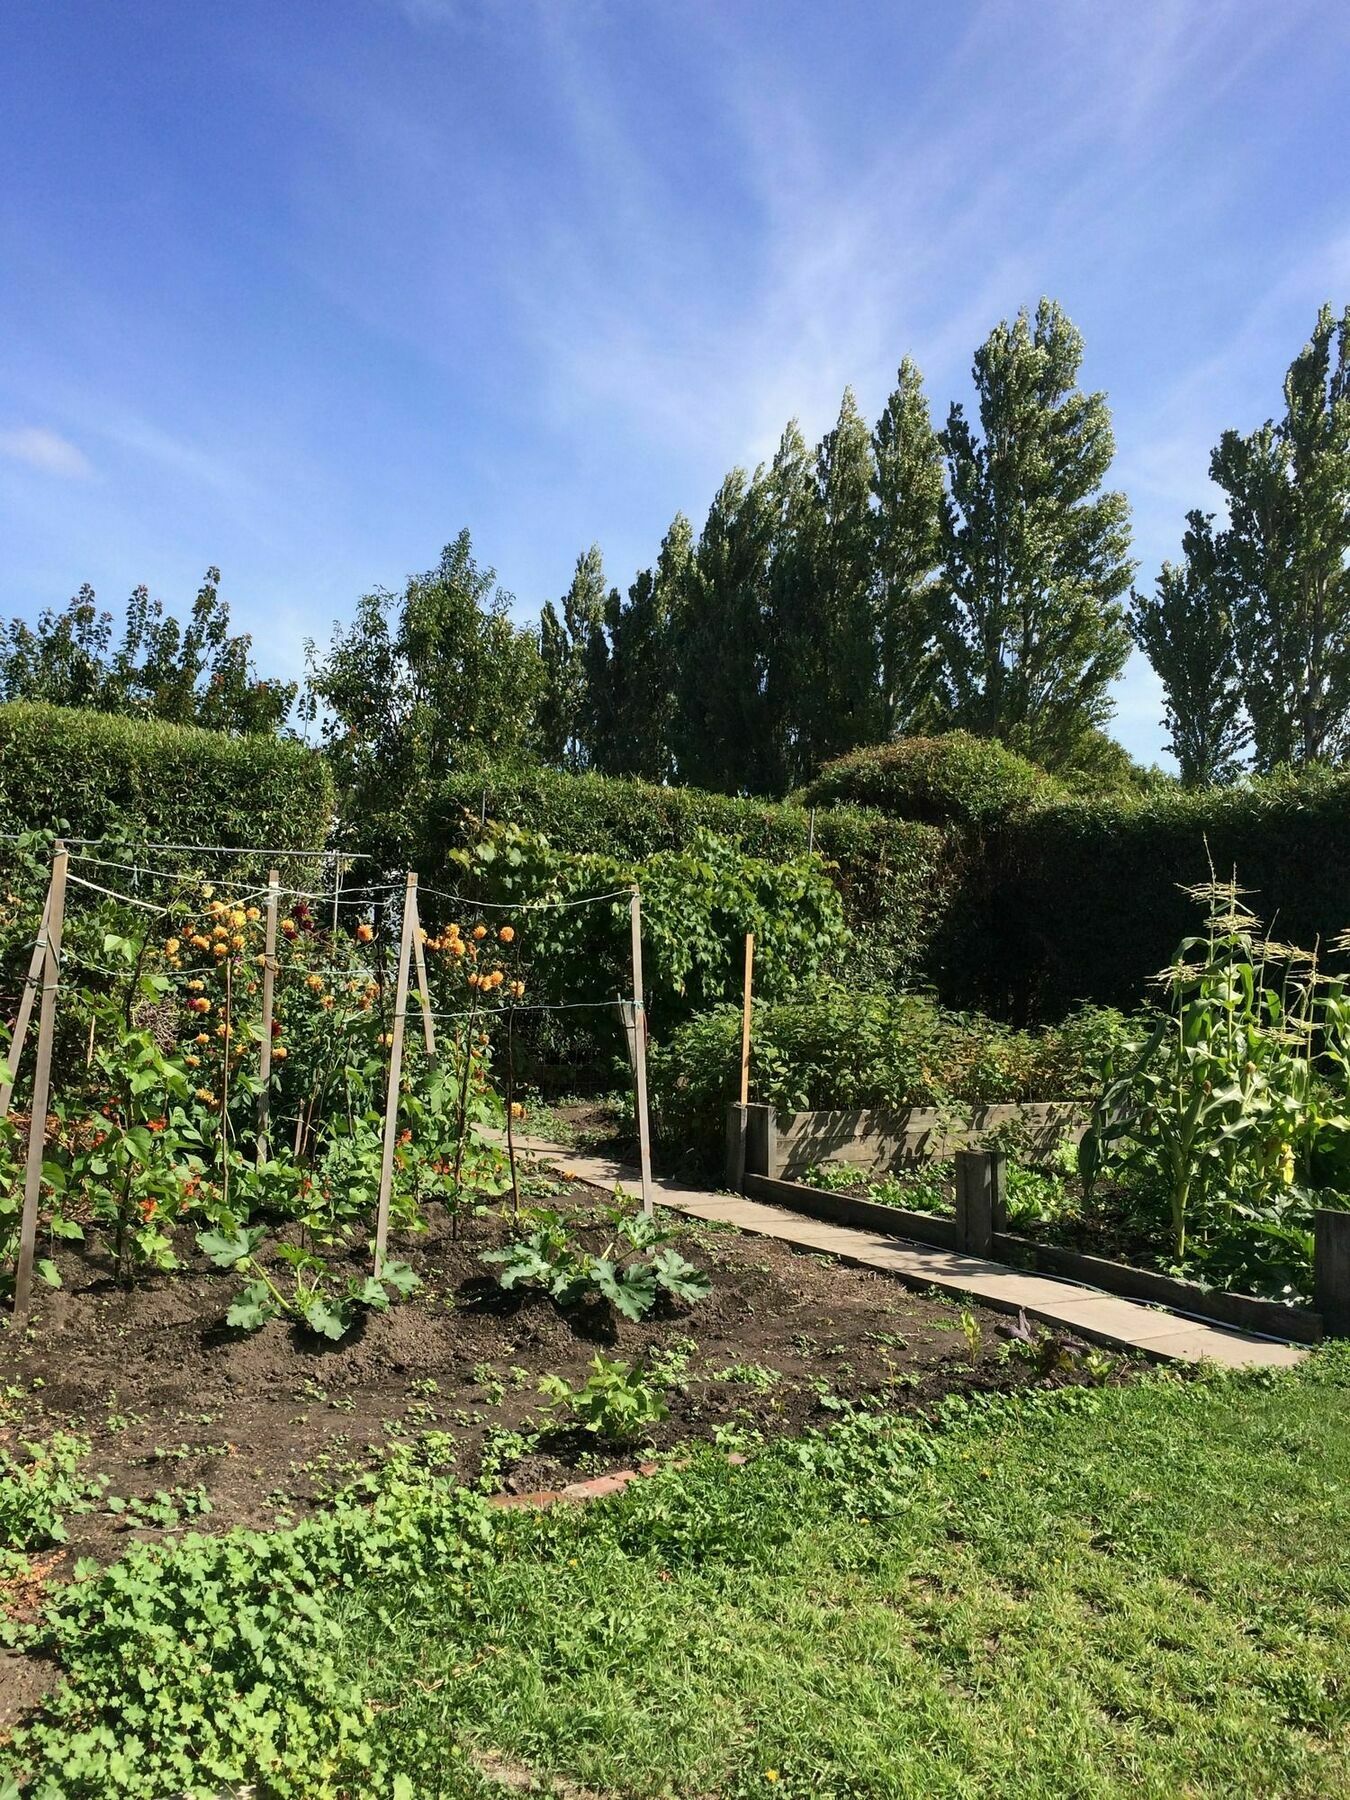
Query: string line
(524,905)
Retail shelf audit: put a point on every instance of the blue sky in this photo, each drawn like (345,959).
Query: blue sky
(301,288)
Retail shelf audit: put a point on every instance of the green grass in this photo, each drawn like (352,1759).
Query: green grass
(1134,1591)
(1150,1597)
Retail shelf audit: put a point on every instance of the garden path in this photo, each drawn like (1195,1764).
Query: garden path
(1087,1312)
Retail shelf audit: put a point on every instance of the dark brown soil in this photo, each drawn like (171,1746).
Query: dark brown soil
(172,1401)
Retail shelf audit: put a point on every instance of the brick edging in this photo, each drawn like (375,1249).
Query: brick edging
(599,1487)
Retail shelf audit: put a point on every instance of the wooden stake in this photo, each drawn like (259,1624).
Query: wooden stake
(745,1018)
(640,1053)
(225,1053)
(42,1079)
(511,1105)
(337,892)
(30,987)
(269,990)
(423,989)
(395,1070)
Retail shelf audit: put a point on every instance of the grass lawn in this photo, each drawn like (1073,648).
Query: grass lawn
(1148,1597)
(1141,1590)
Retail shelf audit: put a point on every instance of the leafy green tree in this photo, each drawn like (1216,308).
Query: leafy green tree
(790,622)
(63,660)
(1185,628)
(1036,555)
(718,730)
(431,680)
(642,649)
(835,649)
(574,706)
(193,673)
(908,487)
(1287,550)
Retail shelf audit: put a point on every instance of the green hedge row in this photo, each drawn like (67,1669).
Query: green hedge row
(1086,901)
(891,873)
(97,772)
(955,779)
(1023,915)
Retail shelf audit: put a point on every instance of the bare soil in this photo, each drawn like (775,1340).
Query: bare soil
(172,1400)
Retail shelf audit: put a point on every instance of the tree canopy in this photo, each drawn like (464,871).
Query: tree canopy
(195,672)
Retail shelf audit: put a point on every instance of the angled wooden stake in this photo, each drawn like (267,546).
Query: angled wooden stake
(268,996)
(30,988)
(640,1053)
(423,990)
(42,1080)
(395,1070)
(745,1018)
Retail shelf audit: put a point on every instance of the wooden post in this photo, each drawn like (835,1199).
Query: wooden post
(42,1078)
(640,1053)
(337,892)
(980,1203)
(268,997)
(225,1054)
(423,989)
(762,1153)
(395,1070)
(30,987)
(745,1018)
(1331,1270)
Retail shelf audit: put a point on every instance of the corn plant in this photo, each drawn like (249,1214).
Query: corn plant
(1223,1111)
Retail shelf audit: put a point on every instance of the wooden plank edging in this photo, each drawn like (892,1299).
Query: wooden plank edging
(845,1209)
(1272,1318)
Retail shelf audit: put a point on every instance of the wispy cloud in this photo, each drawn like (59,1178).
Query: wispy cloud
(46,451)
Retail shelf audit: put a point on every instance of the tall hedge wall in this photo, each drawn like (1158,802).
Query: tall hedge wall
(1075,900)
(1084,901)
(891,872)
(95,771)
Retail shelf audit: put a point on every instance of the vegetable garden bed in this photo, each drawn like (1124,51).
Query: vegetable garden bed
(174,1403)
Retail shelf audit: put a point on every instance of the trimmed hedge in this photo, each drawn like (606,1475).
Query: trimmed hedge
(1023,916)
(1085,901)
(955,779)
(891,873)
(99,772)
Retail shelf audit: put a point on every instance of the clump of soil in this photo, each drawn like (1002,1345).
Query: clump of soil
(175,1403)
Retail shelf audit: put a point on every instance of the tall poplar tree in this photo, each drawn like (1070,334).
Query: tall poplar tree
(642,652)
(1036,555)
(837,704)
(574,703)
(718,731)
(1185,628)
(791,617)
(1288,548)
(908,486)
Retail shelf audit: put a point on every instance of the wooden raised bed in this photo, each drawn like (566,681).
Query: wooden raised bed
(847,1209)
(978,1227)
(876,1142)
